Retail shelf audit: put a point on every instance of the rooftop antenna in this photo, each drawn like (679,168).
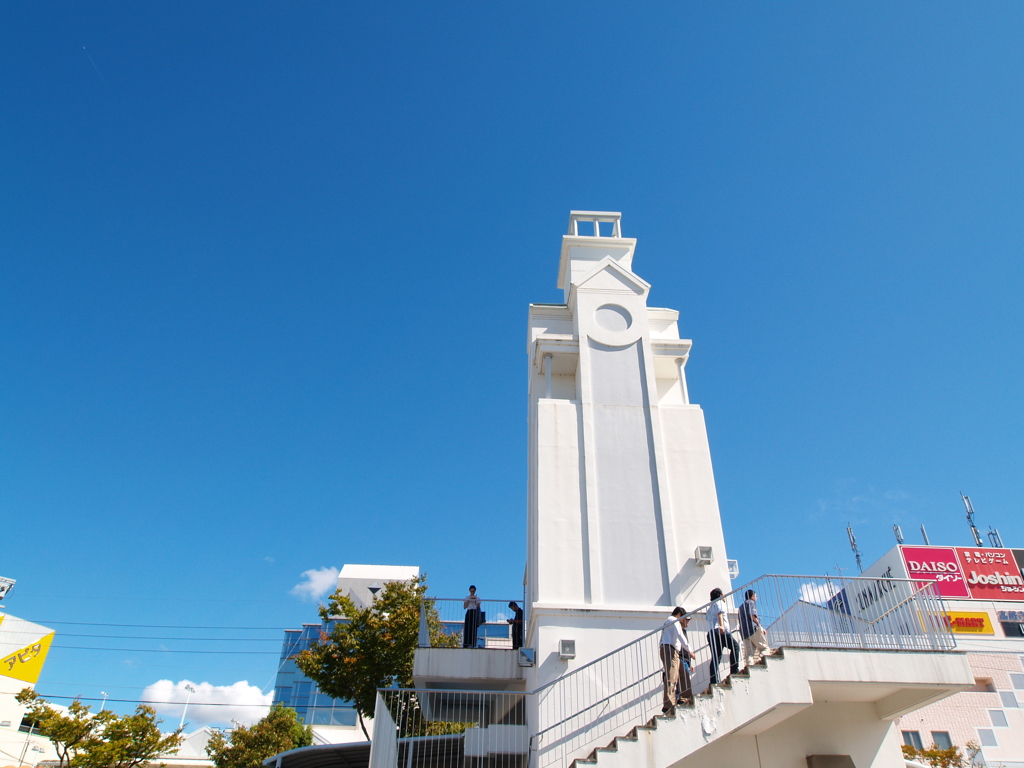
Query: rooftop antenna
(899,534)
(995,538)
(924,535)
(853,546)
(970,519)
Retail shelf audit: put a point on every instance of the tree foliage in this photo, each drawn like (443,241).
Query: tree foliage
(943,758)
(278,732)
(103,740)
(69,733)
(130,741)
(371,647)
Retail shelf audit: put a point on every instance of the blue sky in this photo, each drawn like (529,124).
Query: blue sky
(266,270)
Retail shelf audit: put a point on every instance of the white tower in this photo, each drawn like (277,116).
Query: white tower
(621,489)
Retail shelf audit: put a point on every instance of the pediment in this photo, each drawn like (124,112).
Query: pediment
(608,276)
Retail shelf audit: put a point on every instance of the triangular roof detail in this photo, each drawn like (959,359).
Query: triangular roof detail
(607,274)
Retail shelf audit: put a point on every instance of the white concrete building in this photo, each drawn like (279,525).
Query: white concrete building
(621,489)
(23,649)
(623,524)
(983,592)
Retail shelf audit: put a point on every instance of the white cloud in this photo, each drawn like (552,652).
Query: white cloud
(817,593)
(318,582)
(209,704)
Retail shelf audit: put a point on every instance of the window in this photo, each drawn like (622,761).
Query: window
(987,737)
(941,739)
(1009,700)
(998,718)
(912,739)
(1017,679)
(1012,628)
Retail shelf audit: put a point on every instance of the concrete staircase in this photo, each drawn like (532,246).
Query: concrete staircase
(796,704)
(693,725)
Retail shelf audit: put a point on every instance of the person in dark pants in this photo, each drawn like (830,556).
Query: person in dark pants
(684,689)
(719,637)
(517,624)
(472,605)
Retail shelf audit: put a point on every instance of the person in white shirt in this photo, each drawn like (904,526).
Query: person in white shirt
(720,638)
(674,649)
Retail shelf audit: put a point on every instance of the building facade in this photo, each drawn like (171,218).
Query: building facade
(983,592)
(334,721)
(23,649)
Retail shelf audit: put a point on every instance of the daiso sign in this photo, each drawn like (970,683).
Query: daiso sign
(938,564)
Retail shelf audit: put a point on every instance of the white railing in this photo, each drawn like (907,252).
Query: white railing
(449,729)
(571,715)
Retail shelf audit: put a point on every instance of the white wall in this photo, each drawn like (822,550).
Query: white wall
(621,486)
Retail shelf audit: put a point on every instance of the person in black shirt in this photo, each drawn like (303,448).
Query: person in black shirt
(517,624)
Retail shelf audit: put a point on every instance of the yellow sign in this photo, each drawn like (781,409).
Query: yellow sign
(26,664)
(970,622)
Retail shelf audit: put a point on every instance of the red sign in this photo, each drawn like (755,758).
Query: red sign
(938,564)
(991,574)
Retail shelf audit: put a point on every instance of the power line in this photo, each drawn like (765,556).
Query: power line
(151,626)
(153,637)
(157,650)
(138,701)
(133,664)
(100,685)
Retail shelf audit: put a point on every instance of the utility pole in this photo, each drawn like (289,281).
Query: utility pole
(970,519)
(184,709)
(853,546)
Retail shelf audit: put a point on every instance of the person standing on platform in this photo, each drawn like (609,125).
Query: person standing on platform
(516,623)
(469,628)
(719,637)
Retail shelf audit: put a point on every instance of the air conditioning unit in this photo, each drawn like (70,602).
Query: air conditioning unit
(734,569)
(567,649)
(703,556)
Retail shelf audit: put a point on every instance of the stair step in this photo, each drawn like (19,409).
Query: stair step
(652,725)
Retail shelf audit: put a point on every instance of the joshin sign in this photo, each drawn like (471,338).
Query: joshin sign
(992,574)
(938,564)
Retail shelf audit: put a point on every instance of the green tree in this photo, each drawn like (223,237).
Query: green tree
(129,741)
(103,740)
(278,732)
(937,757)
(371,647)
(69,733)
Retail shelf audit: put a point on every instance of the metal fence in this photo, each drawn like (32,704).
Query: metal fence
(449,729)
(583,709)
(447,623)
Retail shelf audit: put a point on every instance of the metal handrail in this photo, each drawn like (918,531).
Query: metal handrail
(703,609)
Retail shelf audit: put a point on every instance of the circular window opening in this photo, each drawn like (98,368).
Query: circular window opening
(612,317)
